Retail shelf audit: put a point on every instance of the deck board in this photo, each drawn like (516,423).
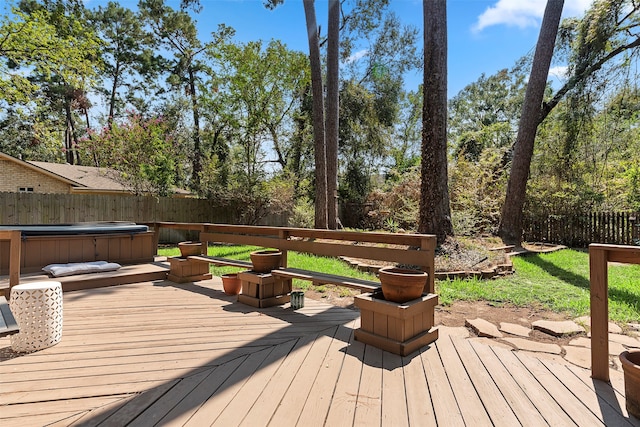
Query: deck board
(159,353)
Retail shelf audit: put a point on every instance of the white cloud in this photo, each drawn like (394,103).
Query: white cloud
(523,14)
(559,72)
(357,56)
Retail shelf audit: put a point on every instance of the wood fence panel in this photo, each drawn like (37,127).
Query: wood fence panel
(35,208)
(582,229)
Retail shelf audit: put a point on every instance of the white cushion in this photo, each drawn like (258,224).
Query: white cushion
(59,270)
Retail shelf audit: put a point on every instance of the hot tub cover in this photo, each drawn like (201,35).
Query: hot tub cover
(78,228)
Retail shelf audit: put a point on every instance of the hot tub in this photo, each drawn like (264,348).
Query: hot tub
(43,244)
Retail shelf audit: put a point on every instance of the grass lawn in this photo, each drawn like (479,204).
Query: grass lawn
(557,281)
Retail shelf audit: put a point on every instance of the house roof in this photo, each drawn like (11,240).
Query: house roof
(89,177)
(83,178)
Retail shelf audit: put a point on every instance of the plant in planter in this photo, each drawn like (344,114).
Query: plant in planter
(400,284)
(630,361)
(190,248)
(231,284)
(266,260)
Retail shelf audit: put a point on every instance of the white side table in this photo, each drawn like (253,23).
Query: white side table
(37,308)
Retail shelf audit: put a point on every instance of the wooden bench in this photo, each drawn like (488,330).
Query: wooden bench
(221,261)
(323,279)
(8,324)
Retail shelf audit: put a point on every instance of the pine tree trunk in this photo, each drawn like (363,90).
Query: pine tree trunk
(511,218)
(197,148)
(435,212)
(331,127)
(318,116)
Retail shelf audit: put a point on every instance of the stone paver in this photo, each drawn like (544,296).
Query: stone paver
(625,340)
(577,352)
(483,328)
(614,328)
(580,356)
(558,329)
(533,346)
(581,342)
(514,329)
(614,347)
(634,326)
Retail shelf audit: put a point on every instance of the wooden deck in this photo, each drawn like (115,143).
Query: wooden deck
(160,353)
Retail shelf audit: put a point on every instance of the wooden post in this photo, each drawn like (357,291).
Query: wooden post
(427,244)
(599,313)
(14,258)
(283,235)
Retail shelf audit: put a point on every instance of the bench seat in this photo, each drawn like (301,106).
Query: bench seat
(222,261)
(8,324)
(322,278)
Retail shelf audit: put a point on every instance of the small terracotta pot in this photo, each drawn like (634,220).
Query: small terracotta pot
(190,248)
(400,284)
(231,284)
(630,361)
(265,261)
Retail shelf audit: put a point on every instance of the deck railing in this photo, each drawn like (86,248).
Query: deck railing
(599,257)
(323,242)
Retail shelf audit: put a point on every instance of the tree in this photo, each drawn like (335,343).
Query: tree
(510,229)
(333,107)
(180,36)
(127,56)
(321,215)
(64,84)
(255,95)
(485,113)
(142,150)
(435,212)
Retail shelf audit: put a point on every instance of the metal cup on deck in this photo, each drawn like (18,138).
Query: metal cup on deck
(297,299)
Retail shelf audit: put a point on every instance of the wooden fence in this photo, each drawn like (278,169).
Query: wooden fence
(581,229)
(34,208)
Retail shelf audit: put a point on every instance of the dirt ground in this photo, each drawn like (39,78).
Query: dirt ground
(454,256)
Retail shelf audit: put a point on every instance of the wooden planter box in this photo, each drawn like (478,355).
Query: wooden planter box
(184,270)
(397,328)
(263,290)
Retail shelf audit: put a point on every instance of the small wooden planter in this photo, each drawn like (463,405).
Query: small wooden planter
(399,328)
(184,270)
(263,290)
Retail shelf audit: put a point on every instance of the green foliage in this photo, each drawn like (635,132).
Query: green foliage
(485,113)
(303,215)
(477,191)
(394,207)
(142,150)
(43,42)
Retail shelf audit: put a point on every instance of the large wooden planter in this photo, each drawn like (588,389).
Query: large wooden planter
(399,328)
(263,290)
(184,270)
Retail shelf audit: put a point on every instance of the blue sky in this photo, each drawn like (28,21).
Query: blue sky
(484,36)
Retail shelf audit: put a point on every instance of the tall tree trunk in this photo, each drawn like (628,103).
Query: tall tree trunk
(435,212)
(332,119)
(112,97)
(197,149)
(318,116)
(511,218)
(70,138)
